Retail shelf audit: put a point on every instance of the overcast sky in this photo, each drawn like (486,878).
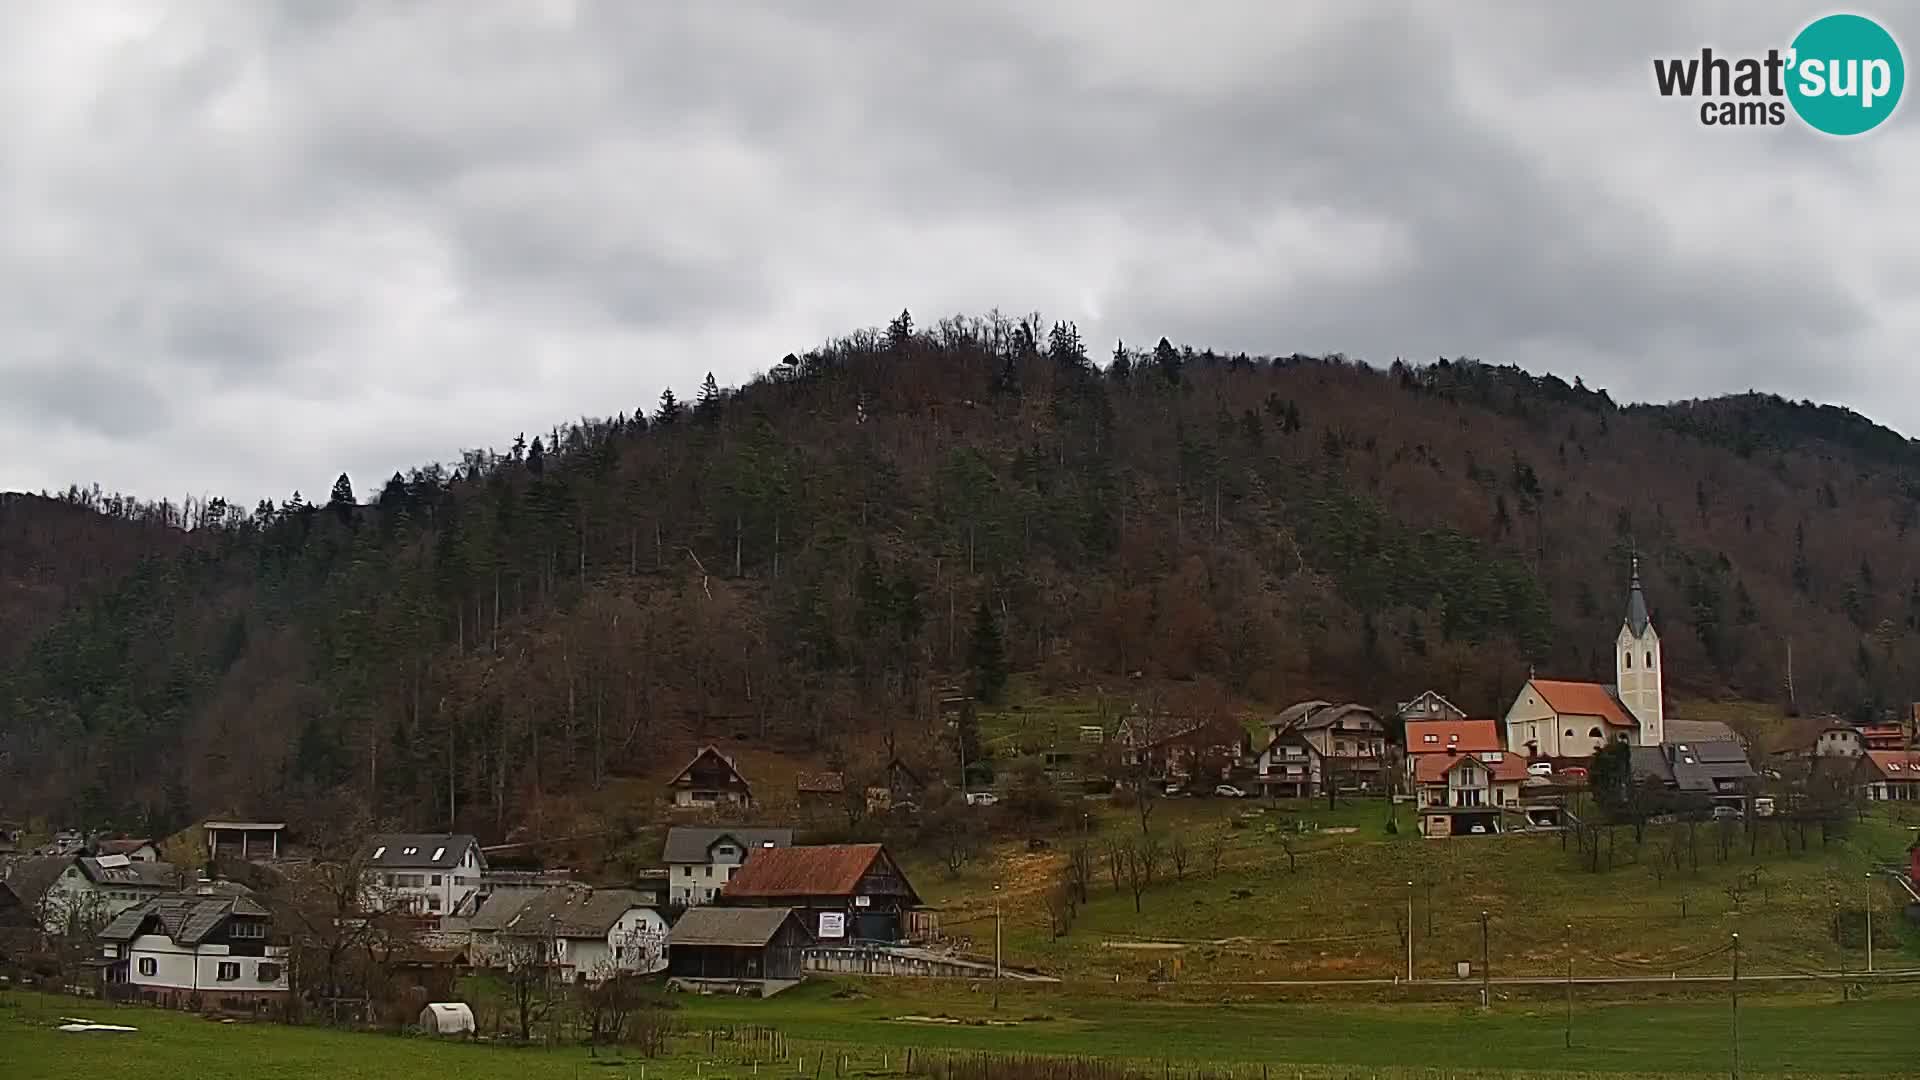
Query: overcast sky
(246,245)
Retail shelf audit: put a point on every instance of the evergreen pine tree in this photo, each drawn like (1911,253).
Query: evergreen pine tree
(707,405)
(1168,361)
(669,413)
(899,332)
(987,655)
(1065,348)
(1121,369)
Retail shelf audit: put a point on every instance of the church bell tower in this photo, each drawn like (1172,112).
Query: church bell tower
(1638,666)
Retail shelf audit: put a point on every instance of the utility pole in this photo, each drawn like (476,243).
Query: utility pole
(1736,1006)
(1569,986)
(1869,922)
(1486,975)
(1409,931)
(996,946)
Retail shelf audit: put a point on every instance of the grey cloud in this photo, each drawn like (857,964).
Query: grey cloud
(330,214)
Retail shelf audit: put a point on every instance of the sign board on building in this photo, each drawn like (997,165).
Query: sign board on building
(863,901)
(833,924)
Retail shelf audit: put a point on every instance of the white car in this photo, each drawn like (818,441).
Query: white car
(981,798)
(1228,791)
(1540,768)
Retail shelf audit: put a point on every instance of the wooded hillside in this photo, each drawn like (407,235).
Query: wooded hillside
(806,557)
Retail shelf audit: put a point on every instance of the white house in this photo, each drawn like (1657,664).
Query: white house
(1288,766)
(590,934)
(219,948)
(1460,793)
(423,873)
(138,850)
(700,861)
(92,891)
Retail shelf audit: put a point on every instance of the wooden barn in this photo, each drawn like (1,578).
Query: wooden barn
(841,891)
(737,944)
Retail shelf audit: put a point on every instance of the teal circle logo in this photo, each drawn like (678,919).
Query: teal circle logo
(1846,74)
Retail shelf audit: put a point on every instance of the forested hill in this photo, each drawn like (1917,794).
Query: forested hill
(806,558)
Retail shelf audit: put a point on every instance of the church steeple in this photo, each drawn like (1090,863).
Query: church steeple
(1639,678)
(1637,603)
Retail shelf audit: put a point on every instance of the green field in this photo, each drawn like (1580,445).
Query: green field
(870,1025)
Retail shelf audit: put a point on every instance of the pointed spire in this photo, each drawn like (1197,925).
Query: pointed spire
(1637,619)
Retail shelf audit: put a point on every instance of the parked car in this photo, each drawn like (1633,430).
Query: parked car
(1228,791)
(1478,830)
(1726,813)
(1763,806)
(981,798)
(1574,772)
(1540,768)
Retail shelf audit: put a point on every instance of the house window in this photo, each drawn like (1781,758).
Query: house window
(229,971)
(268,972)
(436,880)
(709,870)
(242,929)
(433,903)
(686,871)
(149,966)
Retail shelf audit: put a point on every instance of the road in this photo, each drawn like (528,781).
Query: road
(1590,980)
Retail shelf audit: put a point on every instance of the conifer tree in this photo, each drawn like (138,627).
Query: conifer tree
(707,405)
(987,655)
(669,413)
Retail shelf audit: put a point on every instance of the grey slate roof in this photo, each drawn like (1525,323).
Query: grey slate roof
(499,909)
(578,913)
(31,878)
(687,844)
(1698,766)
(728,926)
(416,851)
(1293,714)
(1329,715)
(1636,603)
(187,918)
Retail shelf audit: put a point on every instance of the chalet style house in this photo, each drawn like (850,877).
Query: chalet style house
(840,891)
(1461,793)
(1426,738)
(1350,740)
(710,780)
(1288,767)
(188,948)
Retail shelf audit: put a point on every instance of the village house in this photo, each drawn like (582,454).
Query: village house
(1843,739)
(212,948)
(422,874)
(1890,775)
(1288,767)
(589,934)
(1562,719)
(1172,748)
(1350,740)
(700,861)
(95,890)
(839,890)
(244,840)
(1430,706)
(1716,770)
(760,948)
(1466,793)
(710,780)
(1450,736)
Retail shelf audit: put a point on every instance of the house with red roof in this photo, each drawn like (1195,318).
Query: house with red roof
(1426,738)
(1890,775)
(1461,793)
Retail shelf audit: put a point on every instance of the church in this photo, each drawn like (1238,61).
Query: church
(1555,718)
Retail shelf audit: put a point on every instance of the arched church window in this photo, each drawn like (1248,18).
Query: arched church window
(1628,657)
(1569,733)
(1595,734)
(1649,659)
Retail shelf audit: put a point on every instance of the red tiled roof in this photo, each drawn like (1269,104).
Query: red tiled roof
(1895,764)
(1466,736)
(1584,699)
(1433,768)
(813,870)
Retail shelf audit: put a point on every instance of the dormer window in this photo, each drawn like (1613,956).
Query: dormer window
(1431,738)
